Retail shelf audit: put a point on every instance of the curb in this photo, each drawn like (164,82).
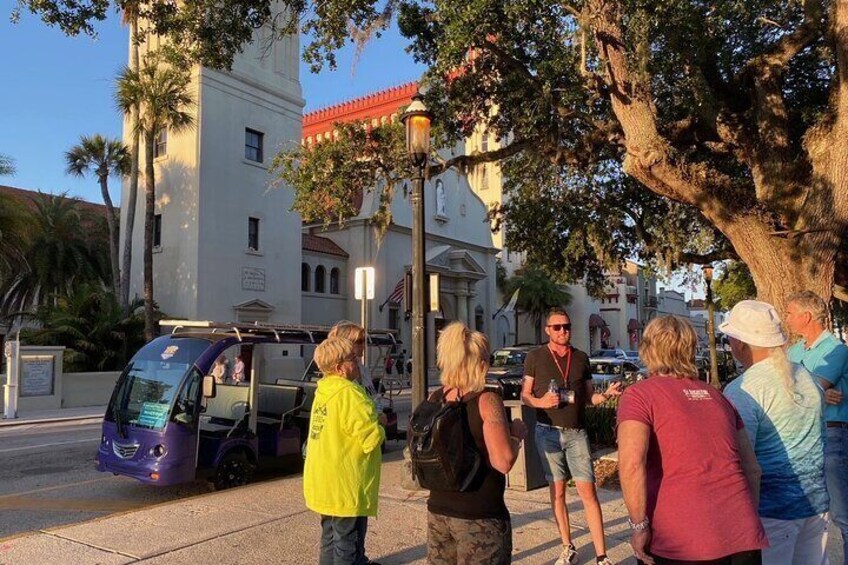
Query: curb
(64,419)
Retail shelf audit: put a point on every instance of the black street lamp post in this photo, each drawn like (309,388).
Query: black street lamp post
(417,121)
(708,278)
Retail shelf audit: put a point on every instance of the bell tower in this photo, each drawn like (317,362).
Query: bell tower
(225,241)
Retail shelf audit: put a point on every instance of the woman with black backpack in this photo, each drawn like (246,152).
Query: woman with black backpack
(473,525)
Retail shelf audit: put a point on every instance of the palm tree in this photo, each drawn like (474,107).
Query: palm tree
(14,232)
(7,165)
(131,16)
(59,254)
(103,157)
(91,325)
(538,293)
(160,93)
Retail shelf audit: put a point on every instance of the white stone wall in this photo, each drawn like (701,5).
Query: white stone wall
(207,190)
(326,308)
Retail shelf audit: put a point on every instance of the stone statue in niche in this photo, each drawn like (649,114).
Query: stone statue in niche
(440,199)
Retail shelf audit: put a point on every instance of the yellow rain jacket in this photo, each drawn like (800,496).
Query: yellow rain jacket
(341,476)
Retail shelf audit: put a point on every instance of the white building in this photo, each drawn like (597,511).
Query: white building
(226,247)
(672,303)
(458,245)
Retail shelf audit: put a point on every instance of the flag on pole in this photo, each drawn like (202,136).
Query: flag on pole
(512,301)
(396,296)
(509,306)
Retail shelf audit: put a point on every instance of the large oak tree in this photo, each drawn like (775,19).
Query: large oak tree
(683,131)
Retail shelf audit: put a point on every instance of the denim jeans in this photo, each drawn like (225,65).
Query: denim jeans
(560,446)
(343,540)
(836,473)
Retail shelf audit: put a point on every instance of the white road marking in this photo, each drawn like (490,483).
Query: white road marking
(11,449)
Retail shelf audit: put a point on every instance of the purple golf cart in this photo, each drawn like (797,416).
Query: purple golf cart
(215,401)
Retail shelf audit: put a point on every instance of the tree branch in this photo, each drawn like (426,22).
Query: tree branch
(681,256)
(779,176)
(513,64)
(789,45)
(464,162)
(649,159)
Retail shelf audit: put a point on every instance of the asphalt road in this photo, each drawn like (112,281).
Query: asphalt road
(48,478)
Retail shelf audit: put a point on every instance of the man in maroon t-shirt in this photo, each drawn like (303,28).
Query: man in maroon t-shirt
(561,429)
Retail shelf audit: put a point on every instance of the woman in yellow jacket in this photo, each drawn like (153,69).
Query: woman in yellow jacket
(341,476)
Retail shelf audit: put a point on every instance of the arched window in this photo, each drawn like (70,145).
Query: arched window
(319,278)
(305,275)
(334,281)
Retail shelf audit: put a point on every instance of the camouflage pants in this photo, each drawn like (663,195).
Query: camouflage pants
(454,541)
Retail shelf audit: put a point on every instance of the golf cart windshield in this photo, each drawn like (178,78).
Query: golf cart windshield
(148,385)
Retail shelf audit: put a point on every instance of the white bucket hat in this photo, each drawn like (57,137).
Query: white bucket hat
(755,323)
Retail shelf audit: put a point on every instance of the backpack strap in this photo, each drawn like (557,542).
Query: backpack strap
(437,395)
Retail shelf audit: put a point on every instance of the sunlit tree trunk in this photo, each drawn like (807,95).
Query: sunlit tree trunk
(132,196)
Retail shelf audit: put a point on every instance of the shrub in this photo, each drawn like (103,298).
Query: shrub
(600,423)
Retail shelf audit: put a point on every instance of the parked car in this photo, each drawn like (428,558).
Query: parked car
(612,354)
(607,370)
(507,370)
(727,368)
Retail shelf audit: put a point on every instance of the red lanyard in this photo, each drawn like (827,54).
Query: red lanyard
(567,366)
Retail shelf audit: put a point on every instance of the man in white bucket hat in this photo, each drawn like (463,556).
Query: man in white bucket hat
(781,407)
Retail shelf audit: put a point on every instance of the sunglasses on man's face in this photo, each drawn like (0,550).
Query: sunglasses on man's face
(560,327)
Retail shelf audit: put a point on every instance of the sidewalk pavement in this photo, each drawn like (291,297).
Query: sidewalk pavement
(268,523)
(84,415)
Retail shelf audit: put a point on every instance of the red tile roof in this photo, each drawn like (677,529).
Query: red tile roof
(27,198)
(698,304)
(322,245)
(372,106)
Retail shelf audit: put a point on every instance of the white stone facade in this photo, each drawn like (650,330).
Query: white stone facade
(209,185)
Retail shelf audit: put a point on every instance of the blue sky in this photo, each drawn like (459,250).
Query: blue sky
(56,88)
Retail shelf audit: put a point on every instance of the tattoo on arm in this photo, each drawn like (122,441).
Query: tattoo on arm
(495,413)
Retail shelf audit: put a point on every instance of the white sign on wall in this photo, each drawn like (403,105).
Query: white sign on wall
(36,375)
(253,279)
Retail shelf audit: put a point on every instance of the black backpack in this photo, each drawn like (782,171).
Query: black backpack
(443,452)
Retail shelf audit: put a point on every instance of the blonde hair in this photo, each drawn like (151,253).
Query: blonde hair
(347,330)
(332,352)
(668,347)
(462,356)
(784,369)
(809,301)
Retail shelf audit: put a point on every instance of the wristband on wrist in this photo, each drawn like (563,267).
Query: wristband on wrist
(639,526)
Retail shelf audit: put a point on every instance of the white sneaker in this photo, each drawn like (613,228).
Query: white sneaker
(605,561)
(568,555)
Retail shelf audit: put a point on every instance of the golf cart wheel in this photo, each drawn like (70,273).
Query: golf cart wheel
(234,470)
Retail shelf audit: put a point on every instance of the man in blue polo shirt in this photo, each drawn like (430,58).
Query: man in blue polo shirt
(823,355)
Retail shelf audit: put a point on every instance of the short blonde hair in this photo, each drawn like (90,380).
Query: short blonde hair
(463,357)
(332,352)
(347,330)
(668,347)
